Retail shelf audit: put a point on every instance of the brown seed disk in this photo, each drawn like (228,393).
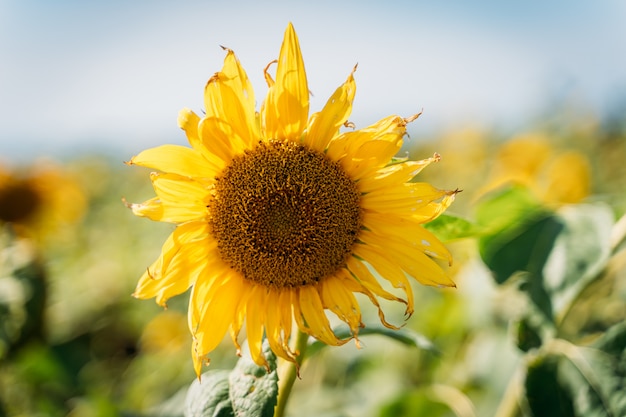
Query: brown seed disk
(284,215)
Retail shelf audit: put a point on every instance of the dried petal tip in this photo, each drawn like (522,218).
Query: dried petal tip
(409,119)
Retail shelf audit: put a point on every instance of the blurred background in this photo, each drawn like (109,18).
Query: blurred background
(530,94)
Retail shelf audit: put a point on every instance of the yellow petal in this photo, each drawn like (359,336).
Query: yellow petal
(185,249)
(152,209)
(434,209)
(240,315)
(237,79)
(285,111)
(255,319)
(340,301)
(216,303)
(368,281)
(197,359)
(187,233)
(394,174)
(410,232)
(412,261)
(369,157)
(182,199)
(402,199)
(351,283)
(284,308)
(325,125)
(388,270)
(229,101)
(390,129)
(309,313)
(190,123)
(176,160)
(278,325)
(181,273)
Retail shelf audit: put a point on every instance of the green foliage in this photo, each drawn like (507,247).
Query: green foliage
(448,227)
(556,256)
(247,390)
(415,403)
(209,396)
(22,303)
(566,380)
(545,393)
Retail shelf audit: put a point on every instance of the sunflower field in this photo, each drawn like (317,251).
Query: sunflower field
(534,327)
(287,262)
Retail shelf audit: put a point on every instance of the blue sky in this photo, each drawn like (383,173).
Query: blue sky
(81,76)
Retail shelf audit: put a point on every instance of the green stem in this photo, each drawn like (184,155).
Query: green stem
(289,374)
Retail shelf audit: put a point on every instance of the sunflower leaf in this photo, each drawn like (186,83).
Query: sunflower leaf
(208,397)
(519,235)
(254,390)
(405,336)
(448,227)
(507,209)
(568,380)
(580,252)
(545,392)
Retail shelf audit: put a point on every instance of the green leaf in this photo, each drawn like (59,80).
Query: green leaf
(605,394)
(613,341)
(518,233)
(519,236)
(405,336)
(527,334)
(254,390)
(414,403)
(580,252)
(545,393)
(208,397)
(175,406)
(524,250)
(448,227)
(506,209)
(24,288)
(584,381)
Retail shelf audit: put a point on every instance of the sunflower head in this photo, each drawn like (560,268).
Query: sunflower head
(39,198)
(282,215)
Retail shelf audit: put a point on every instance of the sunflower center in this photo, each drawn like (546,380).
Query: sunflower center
(18,201)
(284,215)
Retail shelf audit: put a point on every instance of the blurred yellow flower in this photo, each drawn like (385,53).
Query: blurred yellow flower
(165,333)
(39,199)
(530,160)
(278,213)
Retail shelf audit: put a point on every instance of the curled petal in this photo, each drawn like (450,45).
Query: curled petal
(309,314)
(339,298)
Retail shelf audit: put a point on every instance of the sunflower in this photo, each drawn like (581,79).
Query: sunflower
(280,216)
(38,199)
